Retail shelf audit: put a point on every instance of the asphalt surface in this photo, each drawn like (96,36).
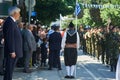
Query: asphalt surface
(87,68)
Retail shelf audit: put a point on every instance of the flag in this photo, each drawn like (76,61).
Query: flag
(61,17)
(77,9)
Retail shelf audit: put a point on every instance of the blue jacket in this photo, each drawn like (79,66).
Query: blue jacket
(55,41)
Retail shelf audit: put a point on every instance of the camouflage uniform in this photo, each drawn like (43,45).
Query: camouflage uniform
(114,51)
(88,42)
(103,46)
(93,44)
(108,37)
(84,43)
(98,45)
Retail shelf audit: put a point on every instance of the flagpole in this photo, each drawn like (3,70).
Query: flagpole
(76,15)
(76,30)
(76,21)
(60,22)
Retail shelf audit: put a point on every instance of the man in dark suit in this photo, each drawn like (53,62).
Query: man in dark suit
(54,46)
(29,45)
(13,42)
(20,62)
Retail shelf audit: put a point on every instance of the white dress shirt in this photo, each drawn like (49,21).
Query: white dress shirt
(13,18)
(64,40)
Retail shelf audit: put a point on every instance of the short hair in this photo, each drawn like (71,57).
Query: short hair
(71,25)
(12,10)
(29,26)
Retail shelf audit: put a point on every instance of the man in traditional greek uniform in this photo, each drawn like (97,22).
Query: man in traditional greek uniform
(70,44)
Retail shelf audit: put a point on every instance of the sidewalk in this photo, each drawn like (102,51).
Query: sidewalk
(86,69)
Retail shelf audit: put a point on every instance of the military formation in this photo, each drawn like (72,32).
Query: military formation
(102,43)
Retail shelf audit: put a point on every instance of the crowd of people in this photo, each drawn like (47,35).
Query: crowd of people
(25,45)
(29,45)
(38,46)
(102,43)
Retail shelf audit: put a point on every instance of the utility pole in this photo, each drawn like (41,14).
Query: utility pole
(76,15)
(29,6)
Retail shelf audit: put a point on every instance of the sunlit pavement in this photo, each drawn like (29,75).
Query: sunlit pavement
(87,68)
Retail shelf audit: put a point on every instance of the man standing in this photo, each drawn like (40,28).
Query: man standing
(54,47)
(29,45)
(13,42)
(70,45)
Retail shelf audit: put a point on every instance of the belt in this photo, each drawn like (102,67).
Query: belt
(71,45)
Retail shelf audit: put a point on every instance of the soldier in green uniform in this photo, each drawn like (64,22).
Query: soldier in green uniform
(114,49)
(81,33)
(93,37)
(108,41)
(98,43)
(84,42)
(88,41)
(103,46)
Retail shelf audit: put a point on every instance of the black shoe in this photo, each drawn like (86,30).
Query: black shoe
(67,76)
(45,65)
(59,68)
(41,65)
(72,77)
(54,66)
(49,68)
(27,71)
(2,73)
(111,70)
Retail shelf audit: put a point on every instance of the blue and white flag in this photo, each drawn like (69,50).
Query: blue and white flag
(77,9)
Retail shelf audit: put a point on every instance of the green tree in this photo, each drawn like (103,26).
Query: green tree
(99,17)
(49,10)
(86,19)
(112,13)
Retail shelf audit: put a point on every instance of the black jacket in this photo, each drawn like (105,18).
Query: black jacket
(13,38)
(55,41)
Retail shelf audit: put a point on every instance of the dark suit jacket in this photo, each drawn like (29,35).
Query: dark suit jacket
(43,48)
(55,41)
(29,43)
(13,38)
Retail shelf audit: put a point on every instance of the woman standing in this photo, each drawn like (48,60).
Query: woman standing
(70,44)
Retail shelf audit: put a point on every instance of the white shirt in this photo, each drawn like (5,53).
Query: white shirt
(64,40)
(13,18)
(29,30)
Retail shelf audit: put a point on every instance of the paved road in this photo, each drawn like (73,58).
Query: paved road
(87,68)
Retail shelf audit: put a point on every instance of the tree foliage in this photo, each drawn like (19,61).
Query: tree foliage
(99,17)
(86,19)
(49,10)
(113,14)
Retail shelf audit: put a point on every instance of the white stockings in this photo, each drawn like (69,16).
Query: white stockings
(70,70)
